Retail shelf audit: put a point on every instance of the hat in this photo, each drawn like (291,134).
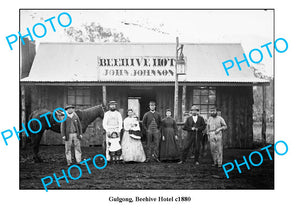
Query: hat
(114,133)
(112,102)
(213,109)
(194,107)
(69,106)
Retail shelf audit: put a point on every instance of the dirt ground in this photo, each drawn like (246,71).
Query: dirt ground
(257,132)
(145,175)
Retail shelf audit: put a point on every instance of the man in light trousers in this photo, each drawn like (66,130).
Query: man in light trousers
(215,126)
(71,131)
(112,122)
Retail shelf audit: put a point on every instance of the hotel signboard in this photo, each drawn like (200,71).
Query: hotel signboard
(135,67)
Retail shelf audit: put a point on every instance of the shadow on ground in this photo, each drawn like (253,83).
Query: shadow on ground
(145,175)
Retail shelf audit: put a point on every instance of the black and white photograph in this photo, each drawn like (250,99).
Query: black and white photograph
(146,109)
(121,99)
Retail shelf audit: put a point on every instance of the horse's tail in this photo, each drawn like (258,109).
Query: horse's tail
(34,114)
(28,139)
(30,116)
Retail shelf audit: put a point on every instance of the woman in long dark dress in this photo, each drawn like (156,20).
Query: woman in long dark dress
(169,141)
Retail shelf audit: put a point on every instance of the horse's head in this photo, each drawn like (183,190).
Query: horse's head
(102,110)
(60,115)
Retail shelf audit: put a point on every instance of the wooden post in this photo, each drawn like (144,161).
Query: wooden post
(176,84)
(104,102)
(263,126)
(183,105)
(23,116)
(104,99)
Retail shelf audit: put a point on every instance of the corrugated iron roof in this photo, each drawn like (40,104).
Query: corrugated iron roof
(77,62)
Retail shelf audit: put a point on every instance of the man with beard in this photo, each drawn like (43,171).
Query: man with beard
(215,126)
(112,122)
(194,125)
(151,123)
(71,131)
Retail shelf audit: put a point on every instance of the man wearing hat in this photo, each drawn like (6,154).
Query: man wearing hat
(112,122)
(71,131)
(151,123)
(194,125)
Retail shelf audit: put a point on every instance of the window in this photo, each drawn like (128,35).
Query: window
(79,97)
(205,99)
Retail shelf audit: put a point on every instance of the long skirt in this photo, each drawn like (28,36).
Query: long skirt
(169,147)
(132,149)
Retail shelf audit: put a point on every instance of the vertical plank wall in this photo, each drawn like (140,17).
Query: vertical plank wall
(236,106)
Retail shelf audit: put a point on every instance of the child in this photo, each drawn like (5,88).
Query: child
(135,130)
(114,147)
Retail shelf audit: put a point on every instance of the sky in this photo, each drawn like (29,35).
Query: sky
(251,28)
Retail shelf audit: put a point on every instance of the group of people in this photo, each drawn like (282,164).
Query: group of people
(124,138)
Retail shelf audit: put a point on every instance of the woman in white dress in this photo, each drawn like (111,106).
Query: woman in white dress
(132,148)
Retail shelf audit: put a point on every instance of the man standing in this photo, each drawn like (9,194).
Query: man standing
(151,123)
(194,125)
(112,122)
(215,126)
(71,131)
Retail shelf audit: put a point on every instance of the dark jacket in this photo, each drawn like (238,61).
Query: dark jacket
(65,126)
(148,118)
(189,123)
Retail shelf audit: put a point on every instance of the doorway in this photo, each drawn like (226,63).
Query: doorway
(134,104)
(139,98)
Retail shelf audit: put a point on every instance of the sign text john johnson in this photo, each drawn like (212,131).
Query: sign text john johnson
(136,66)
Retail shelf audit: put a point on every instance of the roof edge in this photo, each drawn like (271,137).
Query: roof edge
(139,43)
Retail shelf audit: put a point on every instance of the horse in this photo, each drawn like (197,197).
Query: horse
(86,116)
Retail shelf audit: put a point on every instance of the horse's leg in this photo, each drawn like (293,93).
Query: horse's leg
(23,144)
(36,139)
